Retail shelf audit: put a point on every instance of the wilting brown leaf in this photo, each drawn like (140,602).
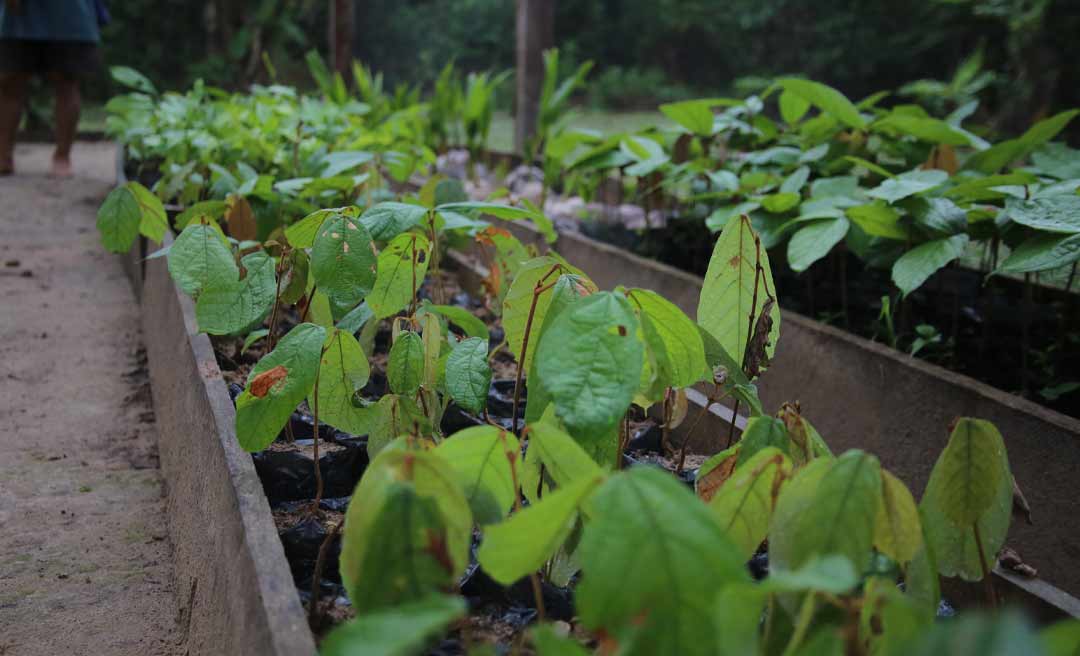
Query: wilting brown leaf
(708,484)
(790,414)
(757,356)
(679,408)
(264,382)
(1020,502)
(241,219)
(942,157)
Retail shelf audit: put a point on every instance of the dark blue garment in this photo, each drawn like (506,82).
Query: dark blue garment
(50,20)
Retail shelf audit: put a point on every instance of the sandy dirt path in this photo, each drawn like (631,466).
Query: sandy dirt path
(85,559)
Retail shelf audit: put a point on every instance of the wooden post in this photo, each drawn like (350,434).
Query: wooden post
(340,35)
(535,34)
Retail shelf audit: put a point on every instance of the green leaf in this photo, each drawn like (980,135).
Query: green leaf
(743,505)
(762,433)
(813,242)
(908,184)
(792,107)
(924,128)
(567,289)
(549,643)
(411,535)
(589,360)
(1061,638)
(394,416)
(133,79)
(825,98)
(897,530)
(262,409)
(646,522)
(302,233)
(253,337)
(198,258)
(564,461)
(128,211)
(522,544)
(915,266)
(1000,155)
(781,202)
(403,630)
(468,321)
(468,376)
(386,221)
(673,338)
(1042,252)
(356,319)
(938,215)
(970,470)
(833,574)
(970,479)
(1057,160)
(212,209)
(344,370)
(480,457)
(405,365)
(401,270)
(727,295)
(343,262)
(694,115)
(974,632)
(828,508)
(229,305)
(535,274)
(879,220)
(1052,214)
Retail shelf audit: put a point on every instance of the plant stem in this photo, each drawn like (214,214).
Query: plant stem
(315,444)
(320,564)
(534,578)
(310,300)
(271,334)
(802,625)
(731,426)
(988,581)
(538,289)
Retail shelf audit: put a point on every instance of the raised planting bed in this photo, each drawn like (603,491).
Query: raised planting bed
(864,395)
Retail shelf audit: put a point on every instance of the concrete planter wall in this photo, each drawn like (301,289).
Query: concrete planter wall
(860,394)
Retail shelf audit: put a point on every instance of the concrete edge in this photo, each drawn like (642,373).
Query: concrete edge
(234,586)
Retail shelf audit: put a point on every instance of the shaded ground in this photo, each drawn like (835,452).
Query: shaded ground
(85,559)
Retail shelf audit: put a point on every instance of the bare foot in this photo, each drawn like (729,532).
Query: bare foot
(61,168)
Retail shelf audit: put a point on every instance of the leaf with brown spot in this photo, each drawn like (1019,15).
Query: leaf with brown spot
(240,218)
(714,472)
(264,382)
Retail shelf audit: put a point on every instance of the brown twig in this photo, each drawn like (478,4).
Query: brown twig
(991,597)
(314,611)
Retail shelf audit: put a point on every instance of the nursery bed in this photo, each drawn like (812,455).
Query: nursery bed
(861,394)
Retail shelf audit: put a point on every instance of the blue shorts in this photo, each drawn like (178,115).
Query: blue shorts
(68,58)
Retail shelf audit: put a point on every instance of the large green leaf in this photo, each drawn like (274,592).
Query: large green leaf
(762,433)
(814,242)
(744,504)
(999,155)
(1042,252)
(589,360)
(897,529)
(938,215)
(403,630)
(792,107)
(401,270)
(567,289)
(199,257)
(879,220)
(673,338)
(405,365)
(522,544)
(1052,214)
(727,295)
(825,98)
(410,536)
(468,376)
(922,127)
(127,211)
(277,384)
(480,457)
(974,632)
(562,459)
(533,275)
(908,184)
(386,221)
(302,233)
(912,269)
(229,305)
(343,372)
(970,485)
(343,262)
(694,115)
(654,561)
(828,508)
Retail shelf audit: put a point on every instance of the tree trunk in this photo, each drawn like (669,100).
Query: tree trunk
(340,37)
(535,34)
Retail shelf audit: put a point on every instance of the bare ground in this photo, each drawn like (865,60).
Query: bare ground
(85,560)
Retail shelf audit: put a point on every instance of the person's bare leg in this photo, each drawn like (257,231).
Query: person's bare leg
(12,100)
(66,116)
